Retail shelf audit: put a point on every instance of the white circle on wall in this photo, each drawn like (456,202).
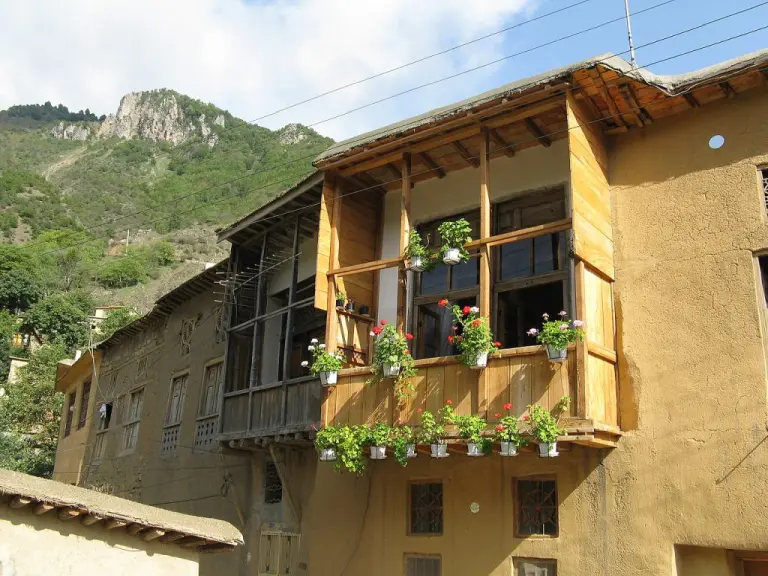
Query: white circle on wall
(474,507)
(716,141)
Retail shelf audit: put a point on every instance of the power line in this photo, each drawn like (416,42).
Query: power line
(357,109)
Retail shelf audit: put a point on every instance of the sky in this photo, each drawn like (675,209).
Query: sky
(254,57)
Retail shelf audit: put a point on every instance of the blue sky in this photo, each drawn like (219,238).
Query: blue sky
(255,57)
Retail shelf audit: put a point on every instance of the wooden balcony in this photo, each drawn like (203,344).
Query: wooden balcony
(522,376)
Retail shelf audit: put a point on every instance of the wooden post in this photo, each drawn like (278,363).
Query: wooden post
(485,256)
(580,401)
(287,343)
(405,231)
(331,326)
(258,293)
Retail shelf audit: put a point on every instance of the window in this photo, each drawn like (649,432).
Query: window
(537,507)
(173,415)
(70,413)
(84,397)
(131,418)
(762,262)
(426,508)
(764,179)
(279,553)
(534,567)
(422,565)
(187,328)
(102,426)
(273,488)
(207,423)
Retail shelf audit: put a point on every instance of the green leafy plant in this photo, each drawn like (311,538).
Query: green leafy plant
(380,434)
(455,235)
(418,249)
(558,333)
(544,424)
(392,348)
(433,426)
(475,337)
(508,428)
(402,437)
(322,361)
(349,443)
(327,438)
(469,426)
(341,298)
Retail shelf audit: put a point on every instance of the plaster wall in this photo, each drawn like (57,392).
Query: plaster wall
(34,545)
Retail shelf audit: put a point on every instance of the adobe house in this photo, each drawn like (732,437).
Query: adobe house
(47,527)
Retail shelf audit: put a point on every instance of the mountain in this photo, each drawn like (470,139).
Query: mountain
(186,166)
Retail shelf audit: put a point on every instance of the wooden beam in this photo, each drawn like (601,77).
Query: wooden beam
(19,501)
(43,508)
(601,352)
(113,523)
(691,99)
(69,513)
(192,542)
(465,154)
(282,473)
(215,548)
(405,230)
(581,347)
(90,519)
(152,534)
(727,89)
(331,326)
(524,234)
(485,256)
(427,160)
(629,97)
(534,129)
(505,146)
(135,528)
(171,537)
(366,267)
(393,171)
(594,73)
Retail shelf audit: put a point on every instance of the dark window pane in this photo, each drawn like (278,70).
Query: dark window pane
(435,281)
(427,508)
(434,327)
(519,310)
(763,262)
(515,260)
(464,275)
(545,253)
(536,507)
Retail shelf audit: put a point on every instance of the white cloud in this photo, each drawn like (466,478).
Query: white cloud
(250,58)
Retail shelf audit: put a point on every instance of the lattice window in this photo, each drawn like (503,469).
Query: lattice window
(764,178)
(423,565)
(84,397)
(209,395)
(187,328)
(221,324)
(99,446)
(102,425)
(537,507)
(426,508)
(279,553)
(170,440)
(141,368)
(534,567)
(176,400)
(273,488)
(205,431)
(132,418)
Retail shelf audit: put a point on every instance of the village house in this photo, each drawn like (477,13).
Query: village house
(635,202)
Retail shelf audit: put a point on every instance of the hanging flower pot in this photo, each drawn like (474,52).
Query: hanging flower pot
(378,452)
(341,299)
(350,306)
(556,354)
(474,449)
(452,256)
(508,449)
(417,264)
(548,450)
(365,310)
(410,451)
(329,378)
(438,450)
(328,454)
(390,370)
(481,361)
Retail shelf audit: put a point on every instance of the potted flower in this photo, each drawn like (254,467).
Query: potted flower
(470,428)
(350,305)
(341,299)
(392,358)
(454,235)
(419,257)
(326,364)
(403,442)
(365,310)
(350,448)
(433,431)
(379,438)
(476,340)
(508,434)
(545,428)
(557,334)
(326,441)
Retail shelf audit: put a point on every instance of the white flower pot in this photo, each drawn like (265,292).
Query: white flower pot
(416,264)
(378,452)
(474,449)
(452,256)
(390,370)
(410,451)
(555,354)
(548,450)
(328,454)
(438,450)
(508,449)
(329,378)
(481,361)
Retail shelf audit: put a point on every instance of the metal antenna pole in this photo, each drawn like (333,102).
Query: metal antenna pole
(632,58)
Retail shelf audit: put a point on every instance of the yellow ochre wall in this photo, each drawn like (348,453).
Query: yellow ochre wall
(691,467)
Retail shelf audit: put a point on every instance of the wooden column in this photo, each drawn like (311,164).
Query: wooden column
(580,402)
(288,342)
(405,230)
(485,257)
(258,295)
(331,326)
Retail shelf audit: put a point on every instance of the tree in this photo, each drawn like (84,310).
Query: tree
(20,281)
(122,271)
(116,320)
(7,329)
(60,319)
(30,411)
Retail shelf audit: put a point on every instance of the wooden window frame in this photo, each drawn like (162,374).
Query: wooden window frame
(516,559)
(518,504)
(69,416)
(128,422)
(85,396)
(762,178)
(218,389)
(408,555)
(409,508)
(183,377)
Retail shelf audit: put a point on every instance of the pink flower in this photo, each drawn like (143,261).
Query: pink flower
(532,332)
(419,410)
(409,336)
(497,344)
(508,406)
(545,316)
(500,428)
(563,313)
(497,415)
(578,323)
(563,326)
(449,402)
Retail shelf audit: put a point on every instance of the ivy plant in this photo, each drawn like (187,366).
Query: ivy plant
(402,437)
(391,347)
(418,249)
(455,235)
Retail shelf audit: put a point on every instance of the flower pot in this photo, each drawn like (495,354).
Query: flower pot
(438,450)
(328,454)
(365,310)
(378,452)
(339,303)
(410,451)
(350,306)
(474,449)
(548,450)
(329,378)
(452,256)
(416,264)
(555,354)
(481,361)
(508,449)
(390,370)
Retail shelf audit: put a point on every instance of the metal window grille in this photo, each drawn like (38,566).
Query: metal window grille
(532,567)
(170,440)
(426,508)
(423,566)
(278,553)
(764,178)
(537,507)
(273,488)
(132,418)
(84,397)
(205,432)
(100,446)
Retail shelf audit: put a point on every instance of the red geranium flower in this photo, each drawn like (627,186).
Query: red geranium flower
(476,323)
(408,352)
(376,330)
(442,303)
(409,336)
(449,402)
(450,339)
(497,344)
(466,310)
(500,428)
(526,417)
(383,322)
(419,410)
(508,406)
(497,415)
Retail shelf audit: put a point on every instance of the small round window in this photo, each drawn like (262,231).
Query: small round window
(717,141)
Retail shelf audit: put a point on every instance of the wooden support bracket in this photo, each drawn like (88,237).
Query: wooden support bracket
(465,154)
(534,129)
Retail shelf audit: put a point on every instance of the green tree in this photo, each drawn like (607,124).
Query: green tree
(116,320)
(30,411)
(123,271)
(20,281)
(60,319)
(7,329)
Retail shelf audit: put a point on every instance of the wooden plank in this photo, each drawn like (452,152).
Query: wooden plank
(405,228)
(435,382)
(328,410)
(524,234)
(465,154)
(520,384)
(333,262)
(592,246)
(385,407)
(541,376)
(504,146)
(417,400)
(367,267)
(370,408)
(427,160)
(602,352)
(558,383)
(581,347)
(537,132)
(466,383)
(323,263)
(19,502)
(498,386)
(342,401)
(355,401)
